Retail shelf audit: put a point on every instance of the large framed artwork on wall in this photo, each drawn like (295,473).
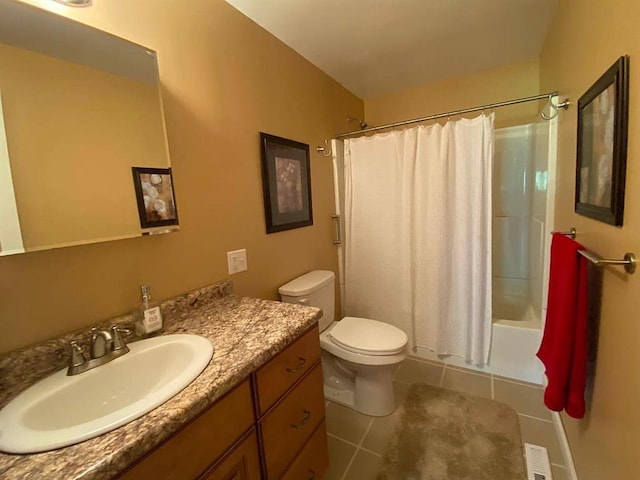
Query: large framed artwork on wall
(602,146)
(286,183)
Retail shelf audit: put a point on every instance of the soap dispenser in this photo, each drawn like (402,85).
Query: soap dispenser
(150,319)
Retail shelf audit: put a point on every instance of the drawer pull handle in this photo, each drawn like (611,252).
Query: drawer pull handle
(312,474)
(301,363)
(303,422)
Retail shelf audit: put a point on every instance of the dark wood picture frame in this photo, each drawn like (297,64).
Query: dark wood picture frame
(286,183)
(159,207)
(601,165)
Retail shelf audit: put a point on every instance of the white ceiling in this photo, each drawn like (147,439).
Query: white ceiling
(377,47)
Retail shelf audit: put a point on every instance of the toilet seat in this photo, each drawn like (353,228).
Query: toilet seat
(368,337)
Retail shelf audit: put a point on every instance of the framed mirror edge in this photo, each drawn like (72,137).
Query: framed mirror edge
(152,231)
(144,233)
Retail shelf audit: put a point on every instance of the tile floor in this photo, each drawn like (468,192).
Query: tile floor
(357,442)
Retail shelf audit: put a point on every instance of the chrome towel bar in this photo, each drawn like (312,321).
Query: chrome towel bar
(571,233)
(629,261)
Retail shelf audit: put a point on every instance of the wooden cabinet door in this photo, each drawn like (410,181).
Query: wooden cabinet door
(287,427)
(190,452)
(313,460)
(286,368)
(242,463)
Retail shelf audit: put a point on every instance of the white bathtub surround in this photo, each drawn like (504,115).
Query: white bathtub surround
(513,352)
(521,173)
(418,233)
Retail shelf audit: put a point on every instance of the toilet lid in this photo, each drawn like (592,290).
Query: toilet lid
(368,336)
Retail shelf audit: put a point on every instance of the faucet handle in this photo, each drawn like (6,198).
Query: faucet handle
(77,355)
(118,341)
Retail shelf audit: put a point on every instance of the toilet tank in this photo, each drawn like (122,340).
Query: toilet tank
(315,289)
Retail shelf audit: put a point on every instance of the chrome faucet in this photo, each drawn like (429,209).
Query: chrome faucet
(101,343)
(105,346)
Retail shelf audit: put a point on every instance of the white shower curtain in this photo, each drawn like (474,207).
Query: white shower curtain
(418,234)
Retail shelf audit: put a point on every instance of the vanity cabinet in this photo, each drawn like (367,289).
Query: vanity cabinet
(242,462)
(273,379)
(286,429)
(313,460)
(290,409)
(192,450)
(271,426)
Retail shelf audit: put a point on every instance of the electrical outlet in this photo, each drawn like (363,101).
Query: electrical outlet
(237,261)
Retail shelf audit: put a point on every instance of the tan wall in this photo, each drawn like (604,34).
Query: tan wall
(224,80)
(480,88)
(586,37)
(71,158)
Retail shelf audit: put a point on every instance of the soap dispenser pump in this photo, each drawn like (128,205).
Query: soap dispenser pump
(150,318)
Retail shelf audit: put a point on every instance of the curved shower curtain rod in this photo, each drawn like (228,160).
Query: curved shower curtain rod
(549,96)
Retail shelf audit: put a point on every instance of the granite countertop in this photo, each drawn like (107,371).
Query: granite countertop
(245,332)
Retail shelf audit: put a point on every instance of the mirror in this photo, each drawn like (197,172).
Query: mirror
(78,109)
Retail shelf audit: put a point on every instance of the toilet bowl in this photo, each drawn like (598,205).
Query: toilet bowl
(358,354)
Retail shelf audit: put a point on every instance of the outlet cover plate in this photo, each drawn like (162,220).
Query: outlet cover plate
(237,261)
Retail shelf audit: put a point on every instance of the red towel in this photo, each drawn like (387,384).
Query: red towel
(563,350)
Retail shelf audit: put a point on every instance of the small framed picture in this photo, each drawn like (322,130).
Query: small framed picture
(154,193)
(286,183)
(602,146)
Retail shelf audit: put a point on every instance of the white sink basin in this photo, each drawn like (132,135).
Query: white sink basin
(62,410)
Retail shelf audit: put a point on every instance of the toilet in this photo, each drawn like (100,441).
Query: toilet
(358,354)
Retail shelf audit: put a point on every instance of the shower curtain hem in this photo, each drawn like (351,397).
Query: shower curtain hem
(432,349)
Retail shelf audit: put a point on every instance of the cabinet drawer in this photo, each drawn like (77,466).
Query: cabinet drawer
(242,463)
(313,460)
(188,453)
(283,370)
(286,428)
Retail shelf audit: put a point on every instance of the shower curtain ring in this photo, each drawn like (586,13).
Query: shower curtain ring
(325,151)
(554,108)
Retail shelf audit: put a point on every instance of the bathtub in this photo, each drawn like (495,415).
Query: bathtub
(514,345)
(513,350)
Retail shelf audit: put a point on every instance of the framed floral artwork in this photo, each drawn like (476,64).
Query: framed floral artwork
(286,183)
(155,196)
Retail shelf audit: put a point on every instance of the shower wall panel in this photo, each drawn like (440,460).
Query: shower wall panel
(519,216)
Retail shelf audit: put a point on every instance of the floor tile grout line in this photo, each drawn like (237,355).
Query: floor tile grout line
(364,449)
(444,368)
(468,371)
(346,470)
(366,431)
(371,452)
(516,382)
(425,360)
(343,440)
(493,391)
(534,418)
(358,447)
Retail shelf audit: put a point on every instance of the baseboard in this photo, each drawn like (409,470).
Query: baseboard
(564,445)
